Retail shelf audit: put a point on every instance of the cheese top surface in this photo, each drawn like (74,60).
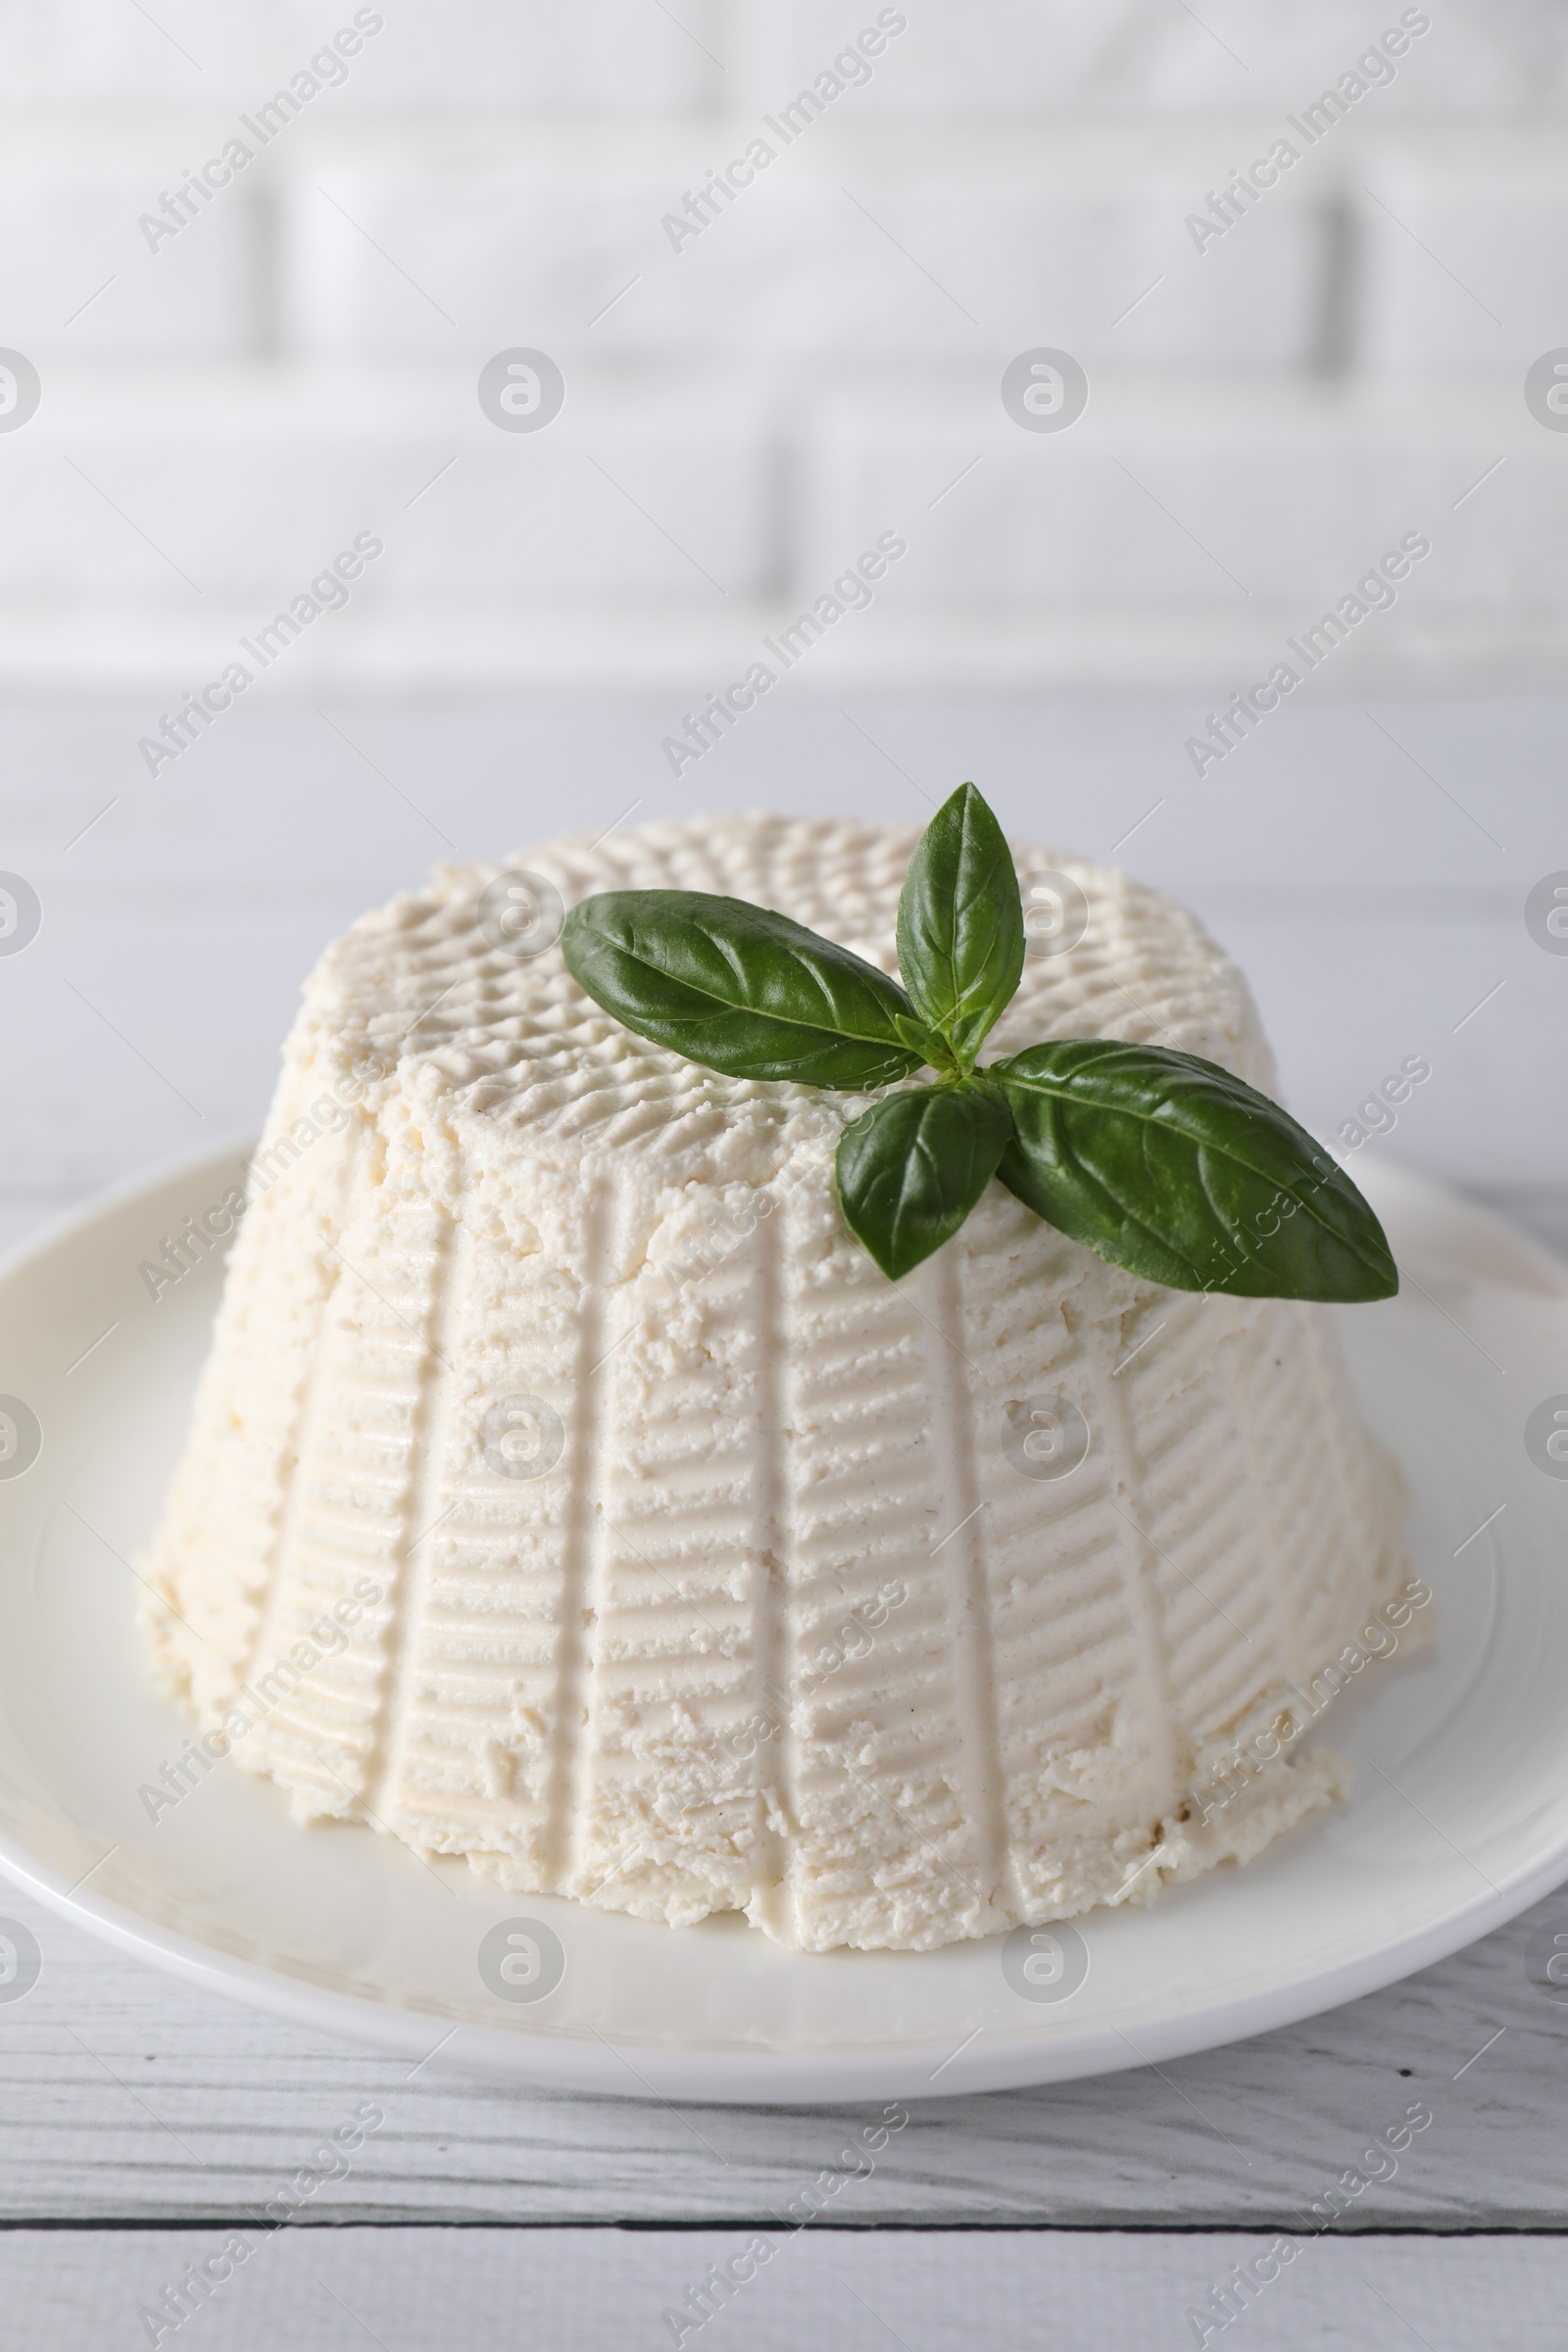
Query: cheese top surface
(507,1044)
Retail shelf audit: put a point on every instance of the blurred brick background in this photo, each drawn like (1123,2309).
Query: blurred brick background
(821,365)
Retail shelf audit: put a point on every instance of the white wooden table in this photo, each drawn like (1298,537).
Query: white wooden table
(1376,895)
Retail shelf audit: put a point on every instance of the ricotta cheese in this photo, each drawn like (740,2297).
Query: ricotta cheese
(569,1490)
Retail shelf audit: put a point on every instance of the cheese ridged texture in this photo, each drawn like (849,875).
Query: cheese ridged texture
(785,1628)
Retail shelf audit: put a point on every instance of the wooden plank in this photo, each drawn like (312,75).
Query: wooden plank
(556,2290)
(124,2095)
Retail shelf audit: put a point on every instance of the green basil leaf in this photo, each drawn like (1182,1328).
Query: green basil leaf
(739,989)
(911,1167)
(1170,1166)
(961,924)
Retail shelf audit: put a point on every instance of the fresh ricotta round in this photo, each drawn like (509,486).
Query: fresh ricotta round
(569,1490)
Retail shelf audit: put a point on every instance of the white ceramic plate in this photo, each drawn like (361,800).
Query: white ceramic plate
(1459,1820)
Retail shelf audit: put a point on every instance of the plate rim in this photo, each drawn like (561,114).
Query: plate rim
(569,2062)
(691,2072)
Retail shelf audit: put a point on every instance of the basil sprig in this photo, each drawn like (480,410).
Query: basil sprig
(1158,1161)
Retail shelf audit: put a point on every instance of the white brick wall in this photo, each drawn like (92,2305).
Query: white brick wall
(818,365)
(462,58)
(1142,57)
